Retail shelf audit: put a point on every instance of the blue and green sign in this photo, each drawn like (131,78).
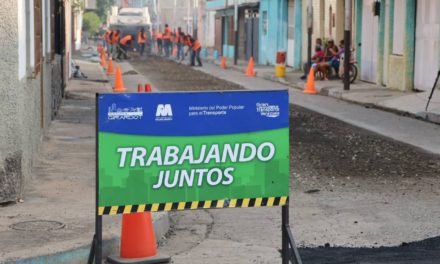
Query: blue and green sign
(176,151)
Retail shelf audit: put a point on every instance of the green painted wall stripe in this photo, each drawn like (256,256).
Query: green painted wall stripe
(381,45)
(358,10)
(409,45)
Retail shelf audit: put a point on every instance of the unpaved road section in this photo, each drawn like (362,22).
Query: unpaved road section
(356,197)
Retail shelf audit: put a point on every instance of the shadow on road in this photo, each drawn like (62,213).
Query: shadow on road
(422,252)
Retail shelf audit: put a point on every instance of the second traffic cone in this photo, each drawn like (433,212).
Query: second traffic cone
(110,69)
(250,69)
(138,242)
(119,83)
(223,64)
(140,88)
(310,84)
(103,62)
(175,51)
(148,88)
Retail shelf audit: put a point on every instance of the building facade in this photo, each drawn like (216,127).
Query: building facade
(33,62)
(395,42)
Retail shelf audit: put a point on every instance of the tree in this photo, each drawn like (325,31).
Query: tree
(102,8)
(91,22)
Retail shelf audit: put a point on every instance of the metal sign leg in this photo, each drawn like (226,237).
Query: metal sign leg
(289,251)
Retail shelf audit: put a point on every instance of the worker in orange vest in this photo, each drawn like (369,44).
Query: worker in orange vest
(123,46)
(142,38)
(106,39)
(115,37)
(167,40)
(180,42)
(159,37)
(195,47)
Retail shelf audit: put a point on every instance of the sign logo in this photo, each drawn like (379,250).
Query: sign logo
(128,113)
(268,110)
(164,112)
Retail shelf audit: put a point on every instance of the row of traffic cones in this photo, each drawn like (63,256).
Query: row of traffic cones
(138,241)
(250,68)
(310,84)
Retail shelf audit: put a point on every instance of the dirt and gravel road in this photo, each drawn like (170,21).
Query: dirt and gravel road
(356,197)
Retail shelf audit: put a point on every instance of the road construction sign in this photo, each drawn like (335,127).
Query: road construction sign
(177,151)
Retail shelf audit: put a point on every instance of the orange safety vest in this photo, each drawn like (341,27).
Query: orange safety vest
(124,41)
(181,39)
(159,36)
(167,33)
(196,45)
(115,38)
(107,36)
(142,37)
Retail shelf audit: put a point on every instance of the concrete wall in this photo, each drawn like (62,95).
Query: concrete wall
(24,113)
(276,37)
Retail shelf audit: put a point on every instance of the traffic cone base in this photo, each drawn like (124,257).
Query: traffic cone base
(150,260)
(310,84)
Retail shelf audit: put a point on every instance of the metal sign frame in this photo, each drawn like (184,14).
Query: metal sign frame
(289,250)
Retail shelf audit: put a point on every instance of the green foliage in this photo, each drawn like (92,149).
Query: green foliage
(102,7)
(91,22)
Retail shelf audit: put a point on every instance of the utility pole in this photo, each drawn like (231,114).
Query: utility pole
(174,14)
(309,33)
(187,16)
(236,31)
(195,18)
(347,44)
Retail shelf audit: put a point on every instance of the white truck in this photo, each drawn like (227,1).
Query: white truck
(130,20)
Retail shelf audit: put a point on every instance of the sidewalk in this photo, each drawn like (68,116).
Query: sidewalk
(56,221)
(421,134)
(405,103)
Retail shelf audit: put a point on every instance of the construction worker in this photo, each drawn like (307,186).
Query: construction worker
(142,38)
(115,38)
(167,40)
(180,43)
(123,46)
(195,47)
(106,39)
(159,37)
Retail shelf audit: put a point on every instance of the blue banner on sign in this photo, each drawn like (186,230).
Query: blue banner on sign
(193,113)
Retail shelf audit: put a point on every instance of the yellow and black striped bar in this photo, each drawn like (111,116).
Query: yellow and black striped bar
(233,203)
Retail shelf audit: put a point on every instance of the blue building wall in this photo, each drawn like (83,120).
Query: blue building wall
(275,38)
(215,4)
(297,60)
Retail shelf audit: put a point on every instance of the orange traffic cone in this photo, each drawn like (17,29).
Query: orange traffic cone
(310,84)
(148,88)
(250,69)
(119,84)
(110,69)
(223,64)
(175,51)
(103,62)
(140,88)
(138,242)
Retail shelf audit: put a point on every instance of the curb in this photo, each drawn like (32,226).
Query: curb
(79,255)
(424,116)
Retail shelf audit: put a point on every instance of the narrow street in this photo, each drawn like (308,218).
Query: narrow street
(356,197)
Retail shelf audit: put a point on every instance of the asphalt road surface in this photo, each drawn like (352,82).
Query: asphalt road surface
(357,197)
